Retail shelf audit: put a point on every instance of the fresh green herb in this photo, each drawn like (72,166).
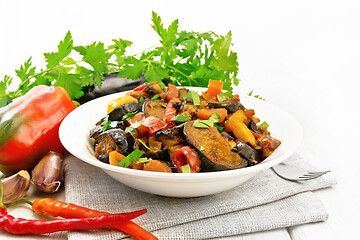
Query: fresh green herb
(162,85)
(161,104)
(255,96)
(129,115)
(203,123)
(144,160)
(106,124)
(187,58)
(129,159)
(132,127)
(186,168)
(194,96)
(180,118)
(264,124)
(207,123)
(155,97)
(218,127)
(224,96)
(141,99)
(202,148)
(144,144)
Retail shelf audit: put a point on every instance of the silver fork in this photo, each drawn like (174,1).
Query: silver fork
(295,173)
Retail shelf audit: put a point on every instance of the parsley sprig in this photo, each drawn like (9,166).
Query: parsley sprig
(186,58)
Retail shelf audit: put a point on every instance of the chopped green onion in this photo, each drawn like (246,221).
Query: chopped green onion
(155,97)
(132,127)
(129,159)
(162,85)
(186,168)
(144,144)
(203,123)
(218,127)
(202,148)
(224,96)
(161,104)
(215,117)
(144,160)
(129,115)
(141,99)
(106,124)
(264,124)
(194,96)
(180,118)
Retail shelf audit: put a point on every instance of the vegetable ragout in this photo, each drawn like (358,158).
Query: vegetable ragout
(170,129)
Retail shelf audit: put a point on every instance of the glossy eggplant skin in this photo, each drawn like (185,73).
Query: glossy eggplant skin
(118,113)
(113,140)
(215,154)
(230,105)
(171,132)
(98,129)
(247,152)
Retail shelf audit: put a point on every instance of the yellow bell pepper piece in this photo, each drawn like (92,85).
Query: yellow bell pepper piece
(115,157)
(239,129)
(120,101)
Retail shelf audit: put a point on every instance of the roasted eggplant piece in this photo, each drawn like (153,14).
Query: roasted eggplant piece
(98,129)
(230,105)
(171,138)
(252,126)
(118,113)
(247,152)
(171,132)
(214,152)
(113,140)
(155,108)
(188,109)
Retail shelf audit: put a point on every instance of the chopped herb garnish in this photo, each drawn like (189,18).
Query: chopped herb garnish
(194,96)
(218,127)
(224,96)
(264,124)
(180,118)
(202,148)
(129,159)
(141,99)
(106,124)
(162,85)
(155,97)
(144,160)
(203,123)
(132,127)
(144,144)
(207,123)
(215,117)
(186,168)
(161,104)
(129,115)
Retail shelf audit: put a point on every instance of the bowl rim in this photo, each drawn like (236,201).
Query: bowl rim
(267,163)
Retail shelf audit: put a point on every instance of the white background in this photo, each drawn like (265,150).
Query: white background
(303,56)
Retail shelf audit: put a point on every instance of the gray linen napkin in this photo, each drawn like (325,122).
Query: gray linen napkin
(263,203)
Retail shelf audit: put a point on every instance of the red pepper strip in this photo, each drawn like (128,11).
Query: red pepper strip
(172,92)
(185,155)
(29,127)
(68,210)
(140,87)
(26,226)
(171,112)
(153,124)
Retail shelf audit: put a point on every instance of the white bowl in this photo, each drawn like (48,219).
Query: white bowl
(74,135)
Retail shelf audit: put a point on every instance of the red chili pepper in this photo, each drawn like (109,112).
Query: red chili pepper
(140,87)
(29,127)
(172,92)
(171,112)
(68,210)
(186,155)
(26,226)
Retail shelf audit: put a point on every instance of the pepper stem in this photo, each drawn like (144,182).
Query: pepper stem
(19,201)
(2,195)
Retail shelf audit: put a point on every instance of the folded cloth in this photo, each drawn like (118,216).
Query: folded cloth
(264,202)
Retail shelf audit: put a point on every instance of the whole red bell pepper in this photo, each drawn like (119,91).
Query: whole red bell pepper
(29,127)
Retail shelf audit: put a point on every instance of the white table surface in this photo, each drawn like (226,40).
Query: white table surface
(303,56)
